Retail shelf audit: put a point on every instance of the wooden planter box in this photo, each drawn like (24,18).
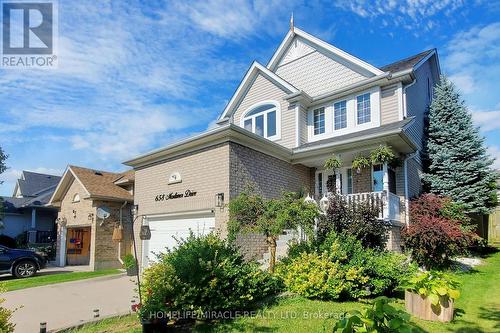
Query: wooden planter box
(421,307)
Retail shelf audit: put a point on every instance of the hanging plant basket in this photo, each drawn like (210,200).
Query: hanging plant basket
(382,154)
(333,163)
(360,162)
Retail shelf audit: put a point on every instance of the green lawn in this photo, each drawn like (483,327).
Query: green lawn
(42,280)
(478,311)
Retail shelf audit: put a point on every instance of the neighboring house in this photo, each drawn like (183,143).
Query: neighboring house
(26,211)
(493,232)
(285,119)
(84,238)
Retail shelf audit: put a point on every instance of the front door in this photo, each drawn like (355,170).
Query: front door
(78,246)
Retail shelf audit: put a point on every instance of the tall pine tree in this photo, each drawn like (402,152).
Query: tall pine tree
(458,164)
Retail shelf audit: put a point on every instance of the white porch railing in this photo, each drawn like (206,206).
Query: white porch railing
(387,203)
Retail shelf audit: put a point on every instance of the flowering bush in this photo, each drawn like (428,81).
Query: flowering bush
(202,275)
(439,229)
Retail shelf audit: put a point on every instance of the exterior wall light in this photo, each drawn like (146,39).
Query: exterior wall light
(145,233)
(74,213)
(219,200)
(134,209)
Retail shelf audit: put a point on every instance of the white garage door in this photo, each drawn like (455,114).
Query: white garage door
(165,231)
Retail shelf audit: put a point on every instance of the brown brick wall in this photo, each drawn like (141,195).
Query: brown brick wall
(270,176)
(362,182)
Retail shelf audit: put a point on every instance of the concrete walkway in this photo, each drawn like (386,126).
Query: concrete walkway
(70,303)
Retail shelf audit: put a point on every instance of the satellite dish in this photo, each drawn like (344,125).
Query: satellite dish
(103,212)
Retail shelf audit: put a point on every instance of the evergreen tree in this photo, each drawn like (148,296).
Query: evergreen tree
(458,165)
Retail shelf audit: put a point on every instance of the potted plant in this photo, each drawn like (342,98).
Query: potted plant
(360,162)
(430,295)
(130,265)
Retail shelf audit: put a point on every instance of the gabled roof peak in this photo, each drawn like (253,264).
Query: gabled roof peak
(320,44)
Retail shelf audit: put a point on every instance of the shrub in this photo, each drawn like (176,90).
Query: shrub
(5,314)
(382,317)
(360,220)
(433,284)
(204,274)
(313,275)
(439,229)
(341,267)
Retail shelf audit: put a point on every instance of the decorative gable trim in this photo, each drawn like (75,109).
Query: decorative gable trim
(252,72)
(63,187)
(280,52)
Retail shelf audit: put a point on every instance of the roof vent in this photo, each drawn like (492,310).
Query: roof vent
(97,173)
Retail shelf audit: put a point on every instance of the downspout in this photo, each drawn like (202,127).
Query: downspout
(121,225)
(405,111)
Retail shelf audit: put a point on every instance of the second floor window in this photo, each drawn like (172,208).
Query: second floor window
(262,120)
(340,115)
(319,121)
(363,108)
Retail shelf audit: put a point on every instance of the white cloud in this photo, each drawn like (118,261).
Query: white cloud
(403,13)
(494,152)
(487,120)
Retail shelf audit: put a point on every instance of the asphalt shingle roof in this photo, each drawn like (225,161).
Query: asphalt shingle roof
(35,183)
(406,63)
(101,183)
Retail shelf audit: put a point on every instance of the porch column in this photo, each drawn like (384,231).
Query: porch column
(61,255)
(338,184)
(385,170)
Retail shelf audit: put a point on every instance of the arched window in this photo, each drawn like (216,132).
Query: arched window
(76,198)
(263,119)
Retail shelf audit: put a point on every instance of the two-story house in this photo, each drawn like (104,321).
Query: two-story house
(312,100)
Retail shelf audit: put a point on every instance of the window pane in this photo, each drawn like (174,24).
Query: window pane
(259,125)
(248,125)
(340,115)
(363,108)
(271,123)
(319,121)
(260,109)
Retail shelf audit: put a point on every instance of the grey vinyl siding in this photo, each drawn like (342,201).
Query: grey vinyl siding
(414,178)
(417,100)
(389,104)
(261,89)
(303,125)
(316,74)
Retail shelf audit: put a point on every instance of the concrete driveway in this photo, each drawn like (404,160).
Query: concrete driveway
(70,303)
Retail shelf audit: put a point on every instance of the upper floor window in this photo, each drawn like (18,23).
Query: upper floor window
(319,121)
(263,120)
(363,108)
(76,198)
(340,115)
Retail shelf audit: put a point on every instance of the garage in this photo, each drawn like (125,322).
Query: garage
(165,231)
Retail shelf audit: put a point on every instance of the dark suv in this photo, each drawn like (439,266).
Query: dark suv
(20,263)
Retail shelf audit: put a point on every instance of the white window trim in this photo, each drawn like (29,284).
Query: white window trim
(324,119)
(352,123)
(326,173)
(277,108)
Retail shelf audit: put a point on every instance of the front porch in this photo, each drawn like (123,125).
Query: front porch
(381,184)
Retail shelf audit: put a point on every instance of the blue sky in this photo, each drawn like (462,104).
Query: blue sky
(137,75)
